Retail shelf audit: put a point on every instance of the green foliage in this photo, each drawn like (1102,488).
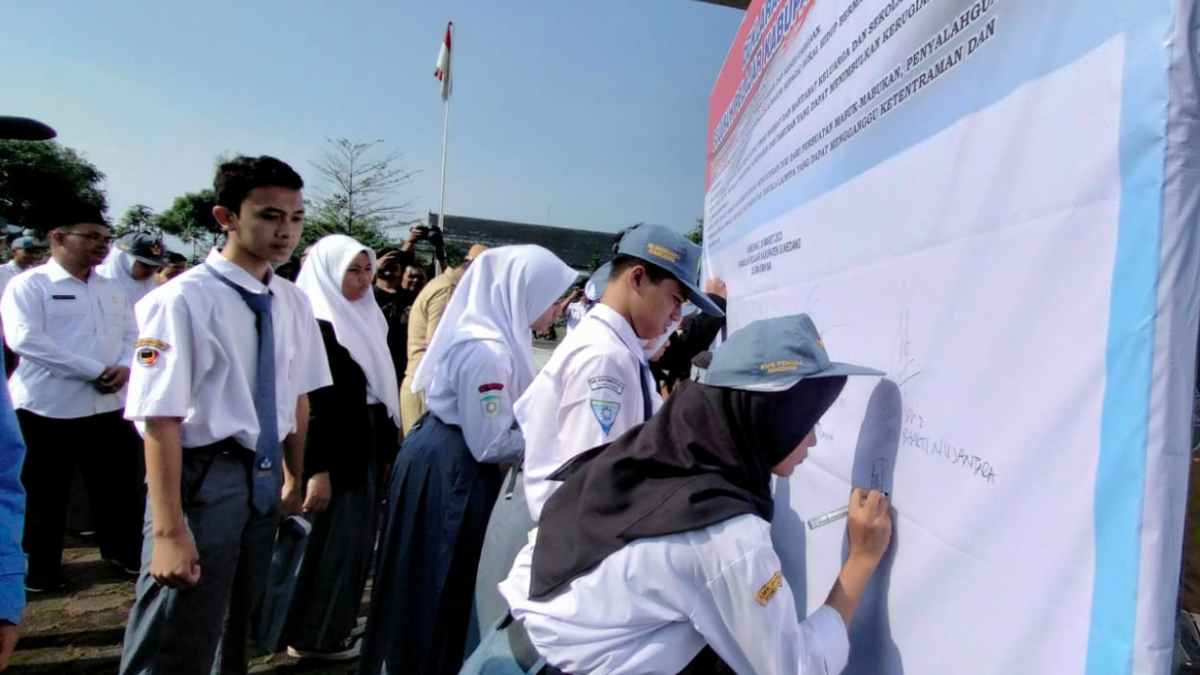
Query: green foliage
(191,219)
(190,216)
(137,218)
(697,233)
(39,179)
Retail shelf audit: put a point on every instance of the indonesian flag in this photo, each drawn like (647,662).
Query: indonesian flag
(442,72)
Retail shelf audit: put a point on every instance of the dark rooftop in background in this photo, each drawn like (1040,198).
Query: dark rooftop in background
(581,249)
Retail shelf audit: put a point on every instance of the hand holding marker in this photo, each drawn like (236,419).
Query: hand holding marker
(877,470)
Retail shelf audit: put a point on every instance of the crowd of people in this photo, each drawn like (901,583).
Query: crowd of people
(205,406)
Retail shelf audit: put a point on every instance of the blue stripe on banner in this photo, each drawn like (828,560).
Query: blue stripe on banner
(1121,471)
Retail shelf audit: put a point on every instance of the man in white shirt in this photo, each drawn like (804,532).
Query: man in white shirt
(226,355)
(74,333)
(598,382)
(26,253)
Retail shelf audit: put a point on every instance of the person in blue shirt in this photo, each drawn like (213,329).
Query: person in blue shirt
(12,458)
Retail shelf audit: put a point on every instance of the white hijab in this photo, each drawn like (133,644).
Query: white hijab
(504,290)
(118,267)
(359,325)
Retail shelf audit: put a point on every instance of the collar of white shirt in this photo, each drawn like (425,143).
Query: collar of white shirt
(238,275)
(58,273)
(613,319)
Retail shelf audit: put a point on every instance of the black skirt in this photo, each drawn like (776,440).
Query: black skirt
(337,560)
(439,502)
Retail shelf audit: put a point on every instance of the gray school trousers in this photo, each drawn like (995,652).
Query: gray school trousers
(203,629)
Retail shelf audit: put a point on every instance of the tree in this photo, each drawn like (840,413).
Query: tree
(41,179)
(190,218)
(357,197)
(137,218)
(697,233)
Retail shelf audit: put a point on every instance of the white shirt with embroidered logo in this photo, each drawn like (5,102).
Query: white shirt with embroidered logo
(67,332)
(473,391)
(587,394)
(654,604)
(197,355)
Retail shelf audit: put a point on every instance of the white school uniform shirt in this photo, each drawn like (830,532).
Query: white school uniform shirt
(8,272)
(197,354)
(67,332)
(588,394)
(473,391)
(575,313)
(653,605)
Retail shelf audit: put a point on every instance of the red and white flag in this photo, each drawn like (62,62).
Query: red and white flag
(442,72)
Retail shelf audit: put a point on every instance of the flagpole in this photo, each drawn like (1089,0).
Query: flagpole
(447,83)
(442,209)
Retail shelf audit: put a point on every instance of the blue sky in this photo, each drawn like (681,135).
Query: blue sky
(578,113)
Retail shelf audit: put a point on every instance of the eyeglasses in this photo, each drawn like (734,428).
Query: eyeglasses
(92,237)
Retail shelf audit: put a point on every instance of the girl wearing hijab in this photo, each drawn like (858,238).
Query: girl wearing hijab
(448,472)
(655,554)
(351,424)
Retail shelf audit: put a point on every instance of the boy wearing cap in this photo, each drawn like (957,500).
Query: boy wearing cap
(27,252)
(655,554)
(226,355)
(598,382)
(133,263)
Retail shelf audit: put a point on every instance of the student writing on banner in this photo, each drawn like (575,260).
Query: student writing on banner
(655,555)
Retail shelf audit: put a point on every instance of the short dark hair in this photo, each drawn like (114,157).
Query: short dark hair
(174,258)
(624,262)
(75,211)
(237,177)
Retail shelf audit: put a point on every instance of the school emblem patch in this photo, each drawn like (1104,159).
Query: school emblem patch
(768,590)
(605,412)
(147,356)
(489,403)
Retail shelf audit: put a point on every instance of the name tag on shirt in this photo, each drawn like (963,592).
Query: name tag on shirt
(62,297)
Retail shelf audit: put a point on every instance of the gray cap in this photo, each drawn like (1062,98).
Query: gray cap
(27,242)
(144,247)
(594,288)
(667,249)
(773,355)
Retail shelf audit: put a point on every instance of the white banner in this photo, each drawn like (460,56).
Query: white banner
(994,202)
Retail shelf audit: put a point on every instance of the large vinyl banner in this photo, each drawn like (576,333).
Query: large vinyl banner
(995,202)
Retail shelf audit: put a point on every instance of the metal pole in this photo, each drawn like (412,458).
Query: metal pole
(437,264)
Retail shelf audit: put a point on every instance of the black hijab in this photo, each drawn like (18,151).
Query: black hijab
(704,458)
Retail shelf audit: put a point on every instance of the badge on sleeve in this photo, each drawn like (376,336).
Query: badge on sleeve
(607,382)
(768,590)
(490,404)
(147,351)
(605,412)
